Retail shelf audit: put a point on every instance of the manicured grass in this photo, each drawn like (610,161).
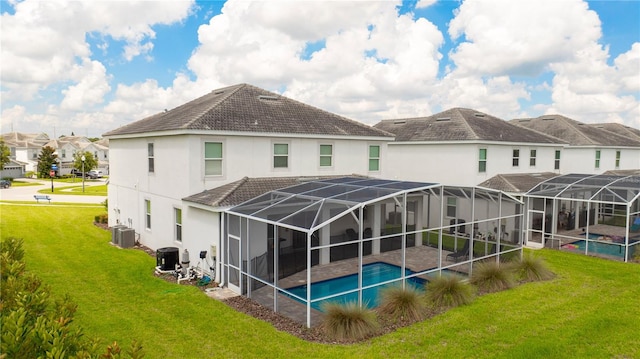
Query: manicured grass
(17,183)
(589,310)
(100,190)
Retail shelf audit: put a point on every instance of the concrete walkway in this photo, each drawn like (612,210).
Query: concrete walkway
(26,193)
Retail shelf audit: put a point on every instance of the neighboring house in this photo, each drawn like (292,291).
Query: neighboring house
(589,149)
(13,169)
(620,129)
(65,151)
(25,148)
(465,147)
(220,138)
(517,184)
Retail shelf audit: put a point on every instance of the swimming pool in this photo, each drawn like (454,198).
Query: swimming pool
(597,247)
(372,274)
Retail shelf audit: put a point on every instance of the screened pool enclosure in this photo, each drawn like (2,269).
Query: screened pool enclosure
(592,214)
(343,239)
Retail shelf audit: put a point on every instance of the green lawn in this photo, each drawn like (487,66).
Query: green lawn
(590,310)
(100,190)
(17,183)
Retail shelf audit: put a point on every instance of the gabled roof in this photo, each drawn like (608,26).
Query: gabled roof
(460,124)
(246,108)
(247,188)
(574,132)
(620,129)
(29,140)
(516,183)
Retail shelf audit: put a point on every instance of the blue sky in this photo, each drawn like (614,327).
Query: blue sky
(123,61)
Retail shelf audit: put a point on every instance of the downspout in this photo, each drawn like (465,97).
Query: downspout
(221,241)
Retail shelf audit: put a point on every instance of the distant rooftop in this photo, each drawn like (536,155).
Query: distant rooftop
(460,124)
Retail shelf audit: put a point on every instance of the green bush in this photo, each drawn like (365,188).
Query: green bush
(34,323)
(101,218)
(531,268)
(449,291)
(402,303)
(348,321)
(491,276)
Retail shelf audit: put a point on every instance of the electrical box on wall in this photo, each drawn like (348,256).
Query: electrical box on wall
(214,251)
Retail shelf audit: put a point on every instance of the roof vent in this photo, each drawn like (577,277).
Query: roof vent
(479,114)
(218,92)
(439,119)
(547,119)
(399,122)
(524,120)
(269,98)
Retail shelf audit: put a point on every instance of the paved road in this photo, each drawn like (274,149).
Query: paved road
(26,193)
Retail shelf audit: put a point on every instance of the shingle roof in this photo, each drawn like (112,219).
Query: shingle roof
(620,129)
(247,188)
(623,172)
(246,108)
(460,124)
(516,183)
(574,132)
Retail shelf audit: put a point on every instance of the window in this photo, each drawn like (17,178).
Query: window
(326,154)
(556,164)
(178,218)
(532,158)
(482,160)
(147,211)
(374,158)
(105,154)
(95,154)
(516,158)
(212,158)
(597,158)
(280,155)
(64,153)
(451,207)
(618,159)
(35,155)
(150,153)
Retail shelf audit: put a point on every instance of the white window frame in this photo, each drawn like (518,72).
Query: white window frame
(618,156)
(279,155)
(151,165)
(556,160)
(482,161)
(325,156)
(373,158)
(515,157)
(220,159)
(177,228)
(533,154)
(452,204)
(598,156)
(147,214)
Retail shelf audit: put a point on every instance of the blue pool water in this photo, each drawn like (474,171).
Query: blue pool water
(372,274)
(601,248)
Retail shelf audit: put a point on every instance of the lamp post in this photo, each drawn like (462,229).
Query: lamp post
(83,158)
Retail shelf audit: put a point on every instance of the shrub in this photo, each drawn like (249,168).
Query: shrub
(531,268)
(101,218)
(402,303)
(29,174)
(492,276)
(348,321)
(34,323)
(449,291)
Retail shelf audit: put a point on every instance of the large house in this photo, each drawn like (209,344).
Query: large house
(24,149)
(170,172)
(465,147)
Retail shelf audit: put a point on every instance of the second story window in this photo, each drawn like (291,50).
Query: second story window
(213,158)
(280,155)
(326,155)
(516,158)
(618,159)
(374,158)
(532,158)
(482,160)
(597,159)
(64,153)
(151,158)
(556,163)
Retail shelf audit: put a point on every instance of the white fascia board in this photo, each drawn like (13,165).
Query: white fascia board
(477,142)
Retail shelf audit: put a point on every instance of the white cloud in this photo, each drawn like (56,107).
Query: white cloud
(91,87)
(423,4)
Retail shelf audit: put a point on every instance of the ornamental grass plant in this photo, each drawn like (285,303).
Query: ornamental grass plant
(531,268)
(400,303)
(491,276)
(449,291)
(349,321)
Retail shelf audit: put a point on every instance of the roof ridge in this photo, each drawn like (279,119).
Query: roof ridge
(511,185)
(574,125)
(233,188)
(466,124)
